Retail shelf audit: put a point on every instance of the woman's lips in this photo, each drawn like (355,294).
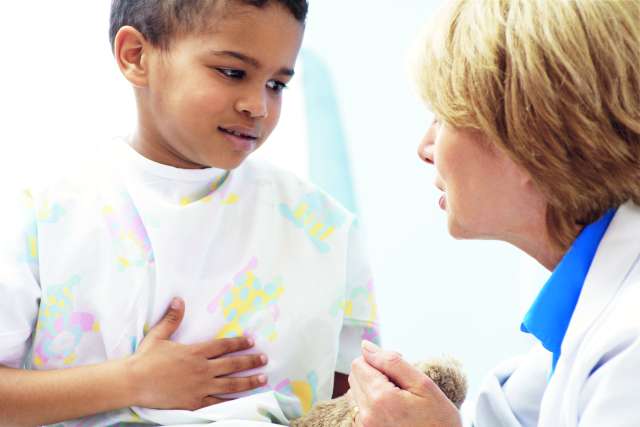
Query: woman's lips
(442,202)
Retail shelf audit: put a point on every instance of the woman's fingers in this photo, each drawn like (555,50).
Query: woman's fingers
(357,390)
(231,364)
(366,380)
(399,371)
(375,396)
(383,403)
(228,385)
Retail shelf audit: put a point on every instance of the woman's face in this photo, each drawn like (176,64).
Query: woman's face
(486,194)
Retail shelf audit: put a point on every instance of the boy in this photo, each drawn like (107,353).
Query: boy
(248,255)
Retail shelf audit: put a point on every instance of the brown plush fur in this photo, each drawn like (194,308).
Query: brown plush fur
(445,372)
(334,413)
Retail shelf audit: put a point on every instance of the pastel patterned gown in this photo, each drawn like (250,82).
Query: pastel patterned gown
(92,261)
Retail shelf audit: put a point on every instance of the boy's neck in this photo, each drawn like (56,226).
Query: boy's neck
(160,152)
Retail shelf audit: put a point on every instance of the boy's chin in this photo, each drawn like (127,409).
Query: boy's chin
(227,164)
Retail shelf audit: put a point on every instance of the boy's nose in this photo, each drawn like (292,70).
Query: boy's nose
(253,105)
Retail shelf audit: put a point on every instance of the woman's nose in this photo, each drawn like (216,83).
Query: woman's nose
(425,148)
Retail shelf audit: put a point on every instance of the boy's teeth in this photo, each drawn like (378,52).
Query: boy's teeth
(233,132)
(238,134)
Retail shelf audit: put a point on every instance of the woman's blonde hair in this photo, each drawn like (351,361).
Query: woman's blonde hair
(556,84)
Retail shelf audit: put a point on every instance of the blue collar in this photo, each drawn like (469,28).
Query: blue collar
(549,316)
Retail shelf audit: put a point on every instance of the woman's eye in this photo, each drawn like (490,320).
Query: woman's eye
(231,73)
(276,86)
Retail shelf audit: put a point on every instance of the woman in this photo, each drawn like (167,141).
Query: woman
(536,143)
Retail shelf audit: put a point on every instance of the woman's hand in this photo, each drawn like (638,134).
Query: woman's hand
(169,375)
(388,391)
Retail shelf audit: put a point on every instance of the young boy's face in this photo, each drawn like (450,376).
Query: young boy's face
(215,97)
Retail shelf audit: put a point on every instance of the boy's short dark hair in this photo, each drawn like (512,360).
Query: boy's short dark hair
(159,20)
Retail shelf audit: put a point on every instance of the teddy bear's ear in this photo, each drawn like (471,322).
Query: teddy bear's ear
(447,373)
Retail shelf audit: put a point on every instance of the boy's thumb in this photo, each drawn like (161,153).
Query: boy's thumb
(170,322)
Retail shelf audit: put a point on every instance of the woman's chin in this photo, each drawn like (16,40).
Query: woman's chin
(454,229)
(457,230)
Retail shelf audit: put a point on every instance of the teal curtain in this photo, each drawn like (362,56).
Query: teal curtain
(329,165)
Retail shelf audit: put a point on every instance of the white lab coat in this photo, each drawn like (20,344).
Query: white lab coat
(596,382)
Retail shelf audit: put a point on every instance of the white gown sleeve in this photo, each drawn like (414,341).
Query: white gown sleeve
(19,279)
(359,305)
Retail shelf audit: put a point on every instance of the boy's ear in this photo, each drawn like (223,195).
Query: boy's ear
(131,51)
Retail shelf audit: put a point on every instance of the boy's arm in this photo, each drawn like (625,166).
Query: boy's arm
(161,374)
(29,397)
(32,398)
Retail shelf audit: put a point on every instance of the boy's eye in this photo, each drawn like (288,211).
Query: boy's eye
(276,86)
(231,73)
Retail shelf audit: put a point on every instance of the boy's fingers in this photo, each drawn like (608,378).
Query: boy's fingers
(170,322)
(398,370)
(212,400)
(229,365)
(219,347)
(237,384)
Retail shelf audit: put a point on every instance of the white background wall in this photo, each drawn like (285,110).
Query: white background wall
(60,92)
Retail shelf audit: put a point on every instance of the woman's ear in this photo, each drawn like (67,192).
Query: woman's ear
(525,179)
(131,51)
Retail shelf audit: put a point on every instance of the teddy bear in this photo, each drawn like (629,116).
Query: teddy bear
(340,412)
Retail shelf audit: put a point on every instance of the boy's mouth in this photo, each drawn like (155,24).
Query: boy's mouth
(239,133)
